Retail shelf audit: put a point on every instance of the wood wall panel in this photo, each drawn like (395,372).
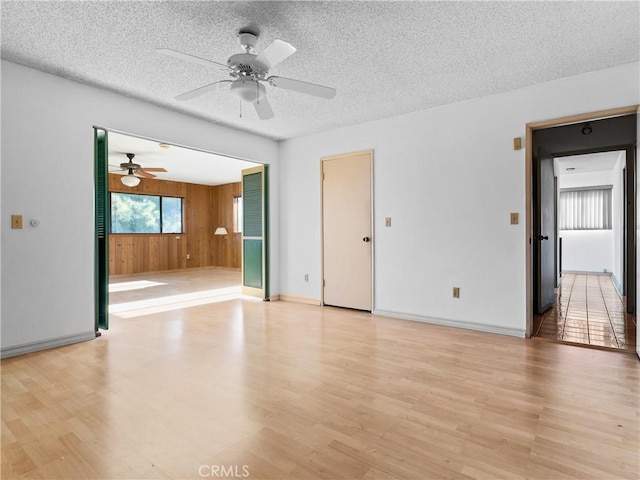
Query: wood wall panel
(227,249)
(205,208)
(198,222)
(146,253)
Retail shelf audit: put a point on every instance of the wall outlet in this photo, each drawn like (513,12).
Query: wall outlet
(188,256)
(306,277)
(387,221)
(514,218)
(456,292)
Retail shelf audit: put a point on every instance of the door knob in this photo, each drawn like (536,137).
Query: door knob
(366,239)
(543,237)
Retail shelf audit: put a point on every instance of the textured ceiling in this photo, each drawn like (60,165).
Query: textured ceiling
(384,58)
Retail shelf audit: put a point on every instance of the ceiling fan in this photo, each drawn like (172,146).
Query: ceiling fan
(133,169)
(249,73)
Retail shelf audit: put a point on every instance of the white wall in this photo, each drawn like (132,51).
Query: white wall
(591,250)
(448,177)
(617,205)
(47,173)
(587,251)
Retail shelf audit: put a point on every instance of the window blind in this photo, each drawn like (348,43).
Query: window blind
(585,209)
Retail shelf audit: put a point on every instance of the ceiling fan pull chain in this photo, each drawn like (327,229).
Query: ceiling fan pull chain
(240,108)
(258,92)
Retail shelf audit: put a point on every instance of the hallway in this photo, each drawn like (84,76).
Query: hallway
(589,311)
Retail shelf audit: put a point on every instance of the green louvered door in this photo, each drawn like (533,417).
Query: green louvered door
(255,232)
(101,230)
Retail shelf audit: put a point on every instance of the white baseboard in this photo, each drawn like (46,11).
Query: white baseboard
(617,284)
(479,327)
(25,348)
(298,299)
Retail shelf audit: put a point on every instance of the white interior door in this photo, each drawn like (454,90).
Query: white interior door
(347,231)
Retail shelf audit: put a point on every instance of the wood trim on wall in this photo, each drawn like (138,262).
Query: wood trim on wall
(205,208)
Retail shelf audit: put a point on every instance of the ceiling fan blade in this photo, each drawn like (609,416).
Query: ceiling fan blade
(153,169)
(191,58)
(275,53)
(302,87)
(141,173)
(263,109)
(202,90)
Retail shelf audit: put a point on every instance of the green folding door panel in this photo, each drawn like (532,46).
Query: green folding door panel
(252,252)
(255,232)
(101,230)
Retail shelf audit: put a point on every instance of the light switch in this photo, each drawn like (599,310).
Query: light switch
(517,143)
(515,218)
(16,222)
(387,222)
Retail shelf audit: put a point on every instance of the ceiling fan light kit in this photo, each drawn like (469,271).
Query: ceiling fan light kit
(130,180)
(249,71)
(248,90)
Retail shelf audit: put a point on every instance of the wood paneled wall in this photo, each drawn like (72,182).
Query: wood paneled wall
(227,249)
(204,208)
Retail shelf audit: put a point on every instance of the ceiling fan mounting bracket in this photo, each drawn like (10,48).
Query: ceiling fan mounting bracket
(248,40)
(132,167)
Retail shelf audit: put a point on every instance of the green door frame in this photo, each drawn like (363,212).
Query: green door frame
(101,211)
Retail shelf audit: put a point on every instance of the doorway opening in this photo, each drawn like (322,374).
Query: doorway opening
(172,240)
(581,281)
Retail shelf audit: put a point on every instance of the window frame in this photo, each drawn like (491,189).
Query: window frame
(160,222)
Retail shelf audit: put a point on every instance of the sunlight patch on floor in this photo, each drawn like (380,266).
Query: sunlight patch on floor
(137,285)
(175,302)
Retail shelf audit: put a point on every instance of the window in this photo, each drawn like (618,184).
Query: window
(237,214)
(171,214)
(585,208)
(133,213)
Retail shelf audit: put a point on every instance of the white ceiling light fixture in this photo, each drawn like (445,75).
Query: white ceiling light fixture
(130,180)
(248,90)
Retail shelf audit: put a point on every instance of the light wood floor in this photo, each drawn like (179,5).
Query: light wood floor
(285,391)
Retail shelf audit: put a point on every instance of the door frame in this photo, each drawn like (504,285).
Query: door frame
(530,127)
(373,227)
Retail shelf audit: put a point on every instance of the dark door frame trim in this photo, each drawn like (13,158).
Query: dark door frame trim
(530,127)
